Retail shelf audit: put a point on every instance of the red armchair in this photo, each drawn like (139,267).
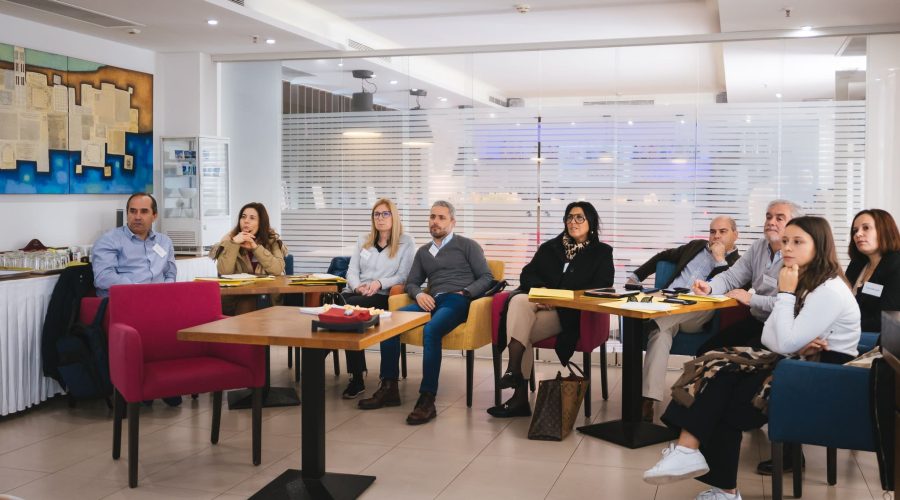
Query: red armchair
(147,362)
(594,333)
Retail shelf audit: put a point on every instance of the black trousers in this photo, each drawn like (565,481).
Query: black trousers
(356,360)
(718,418)
(745,333)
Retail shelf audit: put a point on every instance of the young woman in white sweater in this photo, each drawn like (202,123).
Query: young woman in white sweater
(815,315)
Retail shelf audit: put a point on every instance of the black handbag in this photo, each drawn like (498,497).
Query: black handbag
(557,404)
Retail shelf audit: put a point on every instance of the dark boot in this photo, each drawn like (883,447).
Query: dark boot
(517,405)
(424,410)
(388,394)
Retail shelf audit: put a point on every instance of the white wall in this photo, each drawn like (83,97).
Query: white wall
(883,123)
(250,114)
(59,220)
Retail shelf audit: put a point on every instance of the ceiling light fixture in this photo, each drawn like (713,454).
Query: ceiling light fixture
(442,99)
(270,41)
(778,95)
(363,100)
(393,82)
(212,22)
(805,28)
(361,134)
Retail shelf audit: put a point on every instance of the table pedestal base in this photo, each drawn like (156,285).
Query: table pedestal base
(290,485)
(629,434)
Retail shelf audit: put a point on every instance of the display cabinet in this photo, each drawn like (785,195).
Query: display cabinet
(195,192)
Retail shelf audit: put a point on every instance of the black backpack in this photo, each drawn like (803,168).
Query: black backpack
(84,360)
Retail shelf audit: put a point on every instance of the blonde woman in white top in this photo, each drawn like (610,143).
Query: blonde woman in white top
(381,259)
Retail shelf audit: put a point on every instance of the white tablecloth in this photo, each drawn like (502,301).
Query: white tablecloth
(196,267)
(23,305)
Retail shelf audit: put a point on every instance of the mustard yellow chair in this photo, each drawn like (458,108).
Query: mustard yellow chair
(474,333)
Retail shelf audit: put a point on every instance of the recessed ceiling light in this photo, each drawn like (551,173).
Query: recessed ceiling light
(442,99)
(270,41)
(778,95)
(393,82)
(212,22)
(805,28)
(630,122)
(340,65)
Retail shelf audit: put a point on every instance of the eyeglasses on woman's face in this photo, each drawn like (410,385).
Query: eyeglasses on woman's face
(577,218)
(382,215)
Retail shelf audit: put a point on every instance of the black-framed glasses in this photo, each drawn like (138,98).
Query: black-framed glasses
(578,218)
(382,215)
(632,298)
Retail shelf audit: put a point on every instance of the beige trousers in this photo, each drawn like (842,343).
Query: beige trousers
(527,324)
(660,343)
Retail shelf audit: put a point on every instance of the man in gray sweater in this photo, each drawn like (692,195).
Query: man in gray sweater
(457,272)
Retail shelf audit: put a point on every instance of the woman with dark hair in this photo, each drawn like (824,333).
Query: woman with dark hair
(874,269)
(252,247)
(723,393)
(573,260)
(381,259)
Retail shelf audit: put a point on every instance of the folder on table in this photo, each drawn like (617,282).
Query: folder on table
(703,298)
(551,293)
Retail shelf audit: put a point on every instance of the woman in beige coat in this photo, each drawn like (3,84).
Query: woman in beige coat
(252,247)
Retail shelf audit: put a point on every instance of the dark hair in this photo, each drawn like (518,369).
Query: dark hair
(593,219)
(148,195)
(824,264)
(885,226)
(265,236)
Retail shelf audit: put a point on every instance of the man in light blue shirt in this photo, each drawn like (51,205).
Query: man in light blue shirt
(133,253)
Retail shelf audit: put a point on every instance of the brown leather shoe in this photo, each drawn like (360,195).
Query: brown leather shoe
(647,409)
(388,394)
(424,410)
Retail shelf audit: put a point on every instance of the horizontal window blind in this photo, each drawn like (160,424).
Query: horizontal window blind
(657,174)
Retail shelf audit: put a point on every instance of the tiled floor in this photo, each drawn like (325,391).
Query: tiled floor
(53,452)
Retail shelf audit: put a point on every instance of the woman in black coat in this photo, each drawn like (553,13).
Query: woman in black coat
(574,260)
(874,269)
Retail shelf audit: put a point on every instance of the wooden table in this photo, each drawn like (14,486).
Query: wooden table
(285,326)
(272,396)
(630,431)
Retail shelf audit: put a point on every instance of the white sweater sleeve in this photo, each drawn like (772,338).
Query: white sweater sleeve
(785,334)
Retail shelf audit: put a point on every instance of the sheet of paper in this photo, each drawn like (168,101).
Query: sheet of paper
(703,298)
(642,306)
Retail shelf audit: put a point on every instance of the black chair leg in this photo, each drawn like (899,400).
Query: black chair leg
(831,465)
(290,357)
(797,460)
(403,360)
(257,425)
(296,365)
(216,417)
(531,383)
(604,385)
(337,363)
(134,415)
(118,411)
(470,375)
(586,357)
(497,360)
(777,471)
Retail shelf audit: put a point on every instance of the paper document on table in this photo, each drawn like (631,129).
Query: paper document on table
(246,276)
(649,307)
(316,279)
(703,298)
(550,293)
(315,311)
(225,282)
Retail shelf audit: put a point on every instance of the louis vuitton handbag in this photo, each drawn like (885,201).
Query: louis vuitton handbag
(557,404)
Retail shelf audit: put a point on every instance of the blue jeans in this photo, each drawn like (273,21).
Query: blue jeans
(450,310)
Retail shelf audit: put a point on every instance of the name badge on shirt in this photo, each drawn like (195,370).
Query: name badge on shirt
(873,289)
(364,254)
(565,266)
(433,251)
(770,281)
(159,250)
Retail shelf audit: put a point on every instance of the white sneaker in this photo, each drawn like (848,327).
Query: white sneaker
(676,464)
(717,494)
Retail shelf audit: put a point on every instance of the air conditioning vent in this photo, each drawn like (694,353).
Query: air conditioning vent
(77,13)
(499,101)
(239,2)
(353,44)
(632,102)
